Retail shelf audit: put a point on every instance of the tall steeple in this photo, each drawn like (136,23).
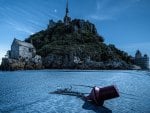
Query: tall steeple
(67,10)
(67,19)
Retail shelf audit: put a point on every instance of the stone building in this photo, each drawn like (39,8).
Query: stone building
(21,49)
(51,24)
(142,61)
(22,56)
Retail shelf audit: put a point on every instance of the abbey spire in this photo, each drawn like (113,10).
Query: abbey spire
(67,19)
(67,10)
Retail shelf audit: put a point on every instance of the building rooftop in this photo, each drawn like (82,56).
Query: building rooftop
(22,43)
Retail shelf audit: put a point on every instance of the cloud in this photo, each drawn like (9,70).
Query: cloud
(110,9)
(101,17)
(34,23)
(21,18)
(19,27)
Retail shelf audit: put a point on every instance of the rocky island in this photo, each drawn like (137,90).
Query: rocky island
(67,44)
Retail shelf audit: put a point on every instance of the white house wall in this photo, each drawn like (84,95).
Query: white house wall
(24,52)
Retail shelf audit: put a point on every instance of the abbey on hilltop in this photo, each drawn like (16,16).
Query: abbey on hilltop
(75,25)
(66,20)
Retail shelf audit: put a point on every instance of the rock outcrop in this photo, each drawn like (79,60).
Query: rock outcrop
(55,61)
(14,64)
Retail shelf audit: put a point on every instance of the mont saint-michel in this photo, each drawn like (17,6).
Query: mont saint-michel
(74,56)
(69,44)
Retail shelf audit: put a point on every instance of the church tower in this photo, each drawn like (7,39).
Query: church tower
(67,19)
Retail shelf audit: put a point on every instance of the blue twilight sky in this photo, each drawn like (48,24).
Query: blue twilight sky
(125,23)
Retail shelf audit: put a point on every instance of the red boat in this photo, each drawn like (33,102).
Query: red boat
(99,95)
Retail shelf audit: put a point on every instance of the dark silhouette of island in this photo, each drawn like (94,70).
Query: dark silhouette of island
(67,44)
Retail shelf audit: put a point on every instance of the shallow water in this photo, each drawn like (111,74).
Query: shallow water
(28,91)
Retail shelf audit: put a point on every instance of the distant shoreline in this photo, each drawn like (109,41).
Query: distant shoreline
(75,70)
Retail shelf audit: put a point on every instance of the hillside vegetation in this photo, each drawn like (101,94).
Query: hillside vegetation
(77,45)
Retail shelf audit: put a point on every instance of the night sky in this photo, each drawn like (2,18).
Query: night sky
(125,23)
